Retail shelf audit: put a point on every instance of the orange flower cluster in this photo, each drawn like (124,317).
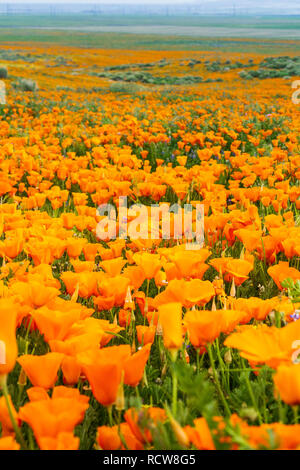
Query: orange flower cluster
(86,324)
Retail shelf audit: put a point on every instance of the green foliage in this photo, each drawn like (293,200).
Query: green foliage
(124,88)
(293,288)
(275,67)
(25,84)
(3,71)
(197,390)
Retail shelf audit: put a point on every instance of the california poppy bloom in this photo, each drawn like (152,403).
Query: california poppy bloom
(200,435)
(263,344)
(282,271)
(55,324)
(7,428)
(98,365)
(145,334)
(134,366)
(150,263)
(170,318)
(48,418)
(109,438)
(287,382)
(63,441)
(8,443)
(8,343)
(41,370)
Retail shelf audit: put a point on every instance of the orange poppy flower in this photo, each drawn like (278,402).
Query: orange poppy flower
(108,438)
(63,441)
(150,263)
(113,290)
(97,365)
(34,293)
(136,275)
(262,344)
(48,418)
(145,334)
(238,270)
(170,318)
(37,394)
(5,420)
(202,326)
(8,443)
(134,366)
(255,307)
(41,370)
(287,382)
(113,267)
(55,324)
(191,264)
(282,271)
(188,293)
(200,435)
(8,343)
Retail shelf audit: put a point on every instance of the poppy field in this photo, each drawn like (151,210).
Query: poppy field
(140,343)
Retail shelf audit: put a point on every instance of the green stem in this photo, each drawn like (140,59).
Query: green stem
(146,301)
(173,354)
(20,392)
(295,412)
(250,390)
(198,359)
(277,319)
(221,394)
(110,419)
(27,334)
(174,395)
(221,362)
(3,385)
(281,412)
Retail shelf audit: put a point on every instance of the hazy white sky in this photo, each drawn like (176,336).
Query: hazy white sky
(99,2)
(112,2)
(269,4)
(162,2)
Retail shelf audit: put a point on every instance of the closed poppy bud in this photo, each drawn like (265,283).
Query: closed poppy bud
(179,432)
(22,378)
(228,357)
